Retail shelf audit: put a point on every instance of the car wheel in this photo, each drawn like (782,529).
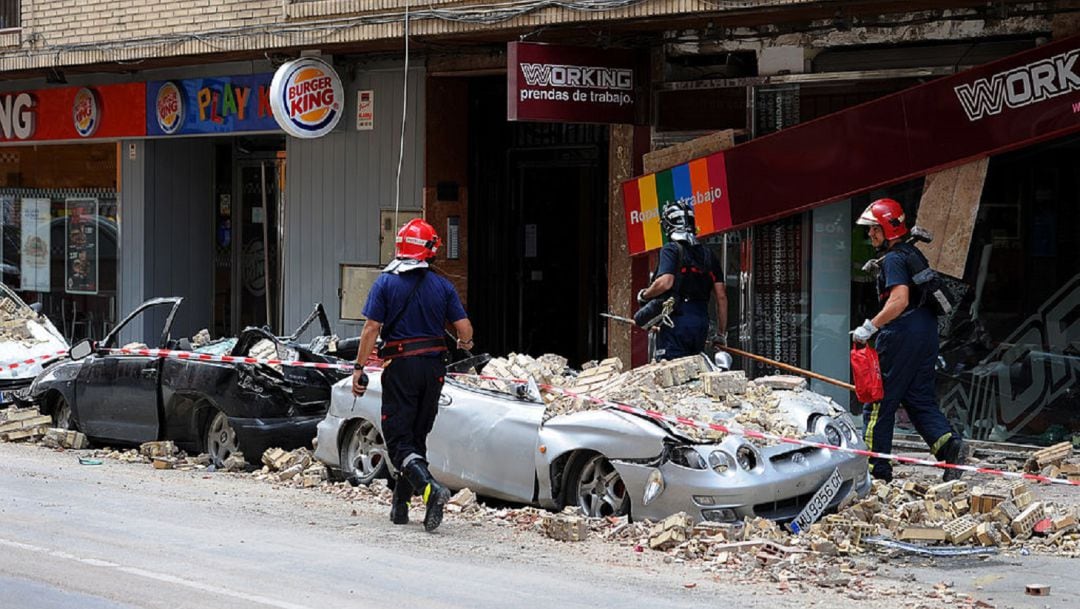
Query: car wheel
(363,454)
(594,485)
(61,414)
(220,439)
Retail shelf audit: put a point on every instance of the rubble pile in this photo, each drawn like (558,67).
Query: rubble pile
(297,467)
(23,424)
(13,322)
(683,387)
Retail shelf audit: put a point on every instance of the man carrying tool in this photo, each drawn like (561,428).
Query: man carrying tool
(689,272)
(411,306)
(907,346)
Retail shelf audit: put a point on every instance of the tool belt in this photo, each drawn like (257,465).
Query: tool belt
(412,346)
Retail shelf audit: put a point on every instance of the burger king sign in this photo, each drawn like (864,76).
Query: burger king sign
(307,98)
(85,112)
(169,108)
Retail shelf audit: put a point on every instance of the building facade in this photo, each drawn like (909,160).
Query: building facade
(112,195)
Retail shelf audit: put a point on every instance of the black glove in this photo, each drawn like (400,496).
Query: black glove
(641,300)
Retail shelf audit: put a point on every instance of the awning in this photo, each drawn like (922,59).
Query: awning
(1017,101)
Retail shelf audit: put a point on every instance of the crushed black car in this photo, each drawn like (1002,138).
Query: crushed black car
(203,406)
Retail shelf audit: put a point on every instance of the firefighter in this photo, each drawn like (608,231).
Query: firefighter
(690,272)
(907,345)
(410,306)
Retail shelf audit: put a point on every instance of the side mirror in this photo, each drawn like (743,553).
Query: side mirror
(81,349)
(36,307)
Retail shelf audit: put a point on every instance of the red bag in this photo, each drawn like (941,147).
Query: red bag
(866,370)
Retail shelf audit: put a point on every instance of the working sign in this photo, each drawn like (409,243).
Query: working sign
(555,83)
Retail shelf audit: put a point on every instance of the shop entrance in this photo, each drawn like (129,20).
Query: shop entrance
(249,188)
(538,232)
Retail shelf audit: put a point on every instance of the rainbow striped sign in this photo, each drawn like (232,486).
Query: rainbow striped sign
(702,181)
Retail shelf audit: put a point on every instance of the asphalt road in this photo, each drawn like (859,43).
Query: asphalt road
(125,535)
(120,536)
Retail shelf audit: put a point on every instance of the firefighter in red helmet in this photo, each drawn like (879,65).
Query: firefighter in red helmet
(410,307)
(907,345)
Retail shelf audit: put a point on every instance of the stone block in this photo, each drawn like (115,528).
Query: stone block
(562,527)
(721,384)
(960,530)
(1025,522)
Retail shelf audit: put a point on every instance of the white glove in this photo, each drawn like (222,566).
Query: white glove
(864,332)
(641,300)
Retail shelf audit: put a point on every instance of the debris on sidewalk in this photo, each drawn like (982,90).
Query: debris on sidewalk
(156,450)
(65,438)
(298,467)
(464,501)
(565,526)
(23,424)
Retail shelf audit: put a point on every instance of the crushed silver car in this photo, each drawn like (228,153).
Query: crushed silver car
(510,445)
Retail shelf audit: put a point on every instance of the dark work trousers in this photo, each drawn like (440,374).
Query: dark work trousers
(687,337)
(908,350)
(410,401)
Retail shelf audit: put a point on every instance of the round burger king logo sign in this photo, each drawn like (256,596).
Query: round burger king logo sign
(85,112)
(169,108)
(306,97)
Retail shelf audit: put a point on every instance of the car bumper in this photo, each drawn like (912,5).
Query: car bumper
(777,494)
(254,436)
(326,449)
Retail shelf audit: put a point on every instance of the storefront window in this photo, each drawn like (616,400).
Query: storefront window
(1010,366)
(60,233)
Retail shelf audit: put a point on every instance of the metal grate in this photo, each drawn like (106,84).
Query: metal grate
(10,14)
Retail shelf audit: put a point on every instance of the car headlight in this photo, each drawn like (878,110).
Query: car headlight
(848,428)
(747,457)
(821,424)
(688,457)
(721,462)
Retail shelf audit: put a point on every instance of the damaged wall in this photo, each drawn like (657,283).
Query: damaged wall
(338,183)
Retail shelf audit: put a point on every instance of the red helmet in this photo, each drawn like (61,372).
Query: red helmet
(887,214)
(417,240)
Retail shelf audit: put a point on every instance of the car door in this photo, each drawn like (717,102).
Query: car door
(117,396)
(486,442)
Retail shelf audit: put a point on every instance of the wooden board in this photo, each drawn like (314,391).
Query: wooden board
(659,160)
(948,208)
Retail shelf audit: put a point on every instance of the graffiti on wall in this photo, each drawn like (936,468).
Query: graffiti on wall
(1029,383)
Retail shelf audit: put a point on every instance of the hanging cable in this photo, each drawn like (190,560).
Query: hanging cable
(404,118)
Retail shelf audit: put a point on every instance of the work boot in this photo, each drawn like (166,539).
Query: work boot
(399,505)
(433,494)
(953,452)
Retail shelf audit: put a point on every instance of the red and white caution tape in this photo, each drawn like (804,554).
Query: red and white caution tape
(652,414)
(233,359)
(32,361)
(749,433)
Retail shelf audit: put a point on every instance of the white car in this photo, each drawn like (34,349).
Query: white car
(26,335)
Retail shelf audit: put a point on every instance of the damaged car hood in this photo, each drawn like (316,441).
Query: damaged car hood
(24,335)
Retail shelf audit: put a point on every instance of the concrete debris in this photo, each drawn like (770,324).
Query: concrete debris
(65,438)
(564,527)
(683,387)
(16,322)
(463,501)
(234,463)
(156,450)
(671,531)
(297,467)
(201,338)
(782,381)
(23,424)
(1052,455)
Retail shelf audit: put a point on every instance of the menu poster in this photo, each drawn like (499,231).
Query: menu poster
(81,246)
(35,245)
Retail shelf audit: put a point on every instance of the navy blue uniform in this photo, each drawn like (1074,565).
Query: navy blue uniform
(699,271)
(411,384)
(908,349)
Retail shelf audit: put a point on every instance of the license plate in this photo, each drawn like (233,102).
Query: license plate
(821,500)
